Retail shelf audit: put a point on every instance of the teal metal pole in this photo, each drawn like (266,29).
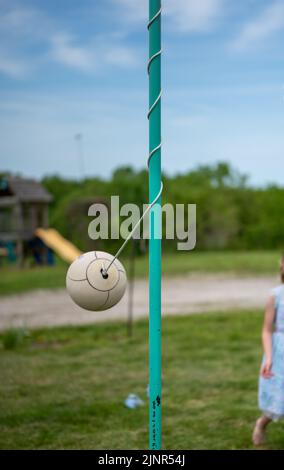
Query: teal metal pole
(155,353)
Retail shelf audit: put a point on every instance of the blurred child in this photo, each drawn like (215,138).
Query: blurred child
(271,380)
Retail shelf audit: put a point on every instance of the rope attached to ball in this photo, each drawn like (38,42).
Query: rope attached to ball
(151,154)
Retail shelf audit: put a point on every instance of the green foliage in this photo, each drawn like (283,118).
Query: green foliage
(13,338)
(230,213)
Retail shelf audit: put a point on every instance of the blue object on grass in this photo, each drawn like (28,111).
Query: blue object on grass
(133,401)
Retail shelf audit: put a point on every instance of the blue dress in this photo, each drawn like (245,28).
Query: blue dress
(271,391)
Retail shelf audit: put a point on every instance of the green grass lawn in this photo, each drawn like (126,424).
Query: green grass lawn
(14,280)
(64,388)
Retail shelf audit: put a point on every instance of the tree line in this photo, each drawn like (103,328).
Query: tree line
(231,213)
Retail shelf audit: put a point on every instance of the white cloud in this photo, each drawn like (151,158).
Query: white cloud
(16,17)
(132,10)
(260,28)
(186,16)
(193,16)
(23,22)
(67,53)
(120,55)
(98,53)
(13,68)
(21,27)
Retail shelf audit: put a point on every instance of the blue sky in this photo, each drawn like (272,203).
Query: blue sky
(69,67)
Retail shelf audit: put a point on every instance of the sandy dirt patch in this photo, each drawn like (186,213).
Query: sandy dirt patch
(181,295)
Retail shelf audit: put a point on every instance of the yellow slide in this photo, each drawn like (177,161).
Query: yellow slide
(62,247)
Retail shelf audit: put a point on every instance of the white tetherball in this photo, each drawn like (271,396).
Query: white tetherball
(88,287)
